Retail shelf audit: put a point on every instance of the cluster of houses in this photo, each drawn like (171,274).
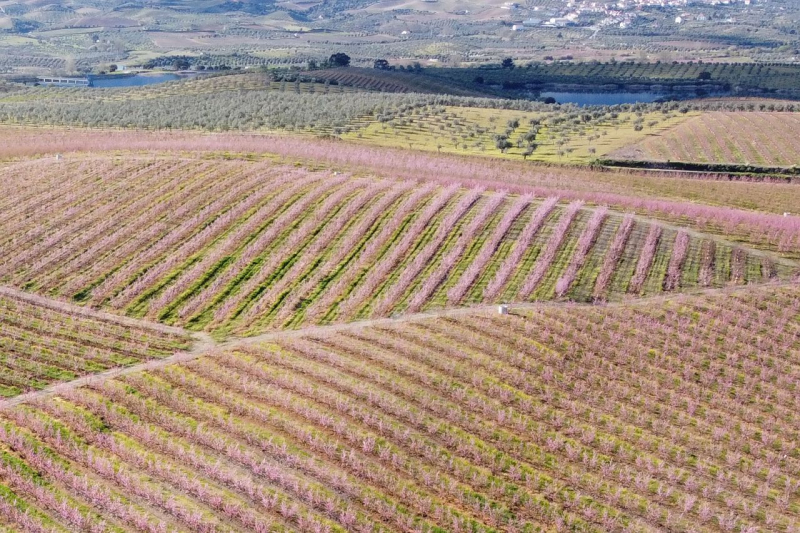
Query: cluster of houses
(621,13)
(611,13)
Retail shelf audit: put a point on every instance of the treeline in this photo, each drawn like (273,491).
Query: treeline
(752,77)
(235,60)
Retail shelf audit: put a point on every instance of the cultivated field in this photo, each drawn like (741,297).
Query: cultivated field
(388,81)
(714,76)
(551,137)
(181,88)
(362,105)
(749,212)
(242,247)
(44,342)
(669,416)
(349,105)
(645,381)
(747,138)
(407,121)
(292,295)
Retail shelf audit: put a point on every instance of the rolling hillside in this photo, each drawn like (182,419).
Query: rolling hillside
(243,247)
(399,266)
(619,418)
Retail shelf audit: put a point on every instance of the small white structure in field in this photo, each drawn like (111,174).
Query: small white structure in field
(786,213)
(59,157)
(502,309)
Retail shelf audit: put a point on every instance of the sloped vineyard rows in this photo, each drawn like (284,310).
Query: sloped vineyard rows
(42,343)
(748,212)
(232,246)
(624,418)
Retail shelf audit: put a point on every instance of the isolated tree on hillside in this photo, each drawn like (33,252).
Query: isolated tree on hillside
(508,63)
(502,143)
(339,59)
(382,64)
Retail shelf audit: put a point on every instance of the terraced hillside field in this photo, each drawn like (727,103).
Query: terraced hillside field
(746,138)
(671,416)
(242,247)
(43,342)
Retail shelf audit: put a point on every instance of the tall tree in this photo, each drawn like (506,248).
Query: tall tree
(339,59)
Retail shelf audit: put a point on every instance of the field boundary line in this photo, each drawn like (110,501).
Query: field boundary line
(206,346)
